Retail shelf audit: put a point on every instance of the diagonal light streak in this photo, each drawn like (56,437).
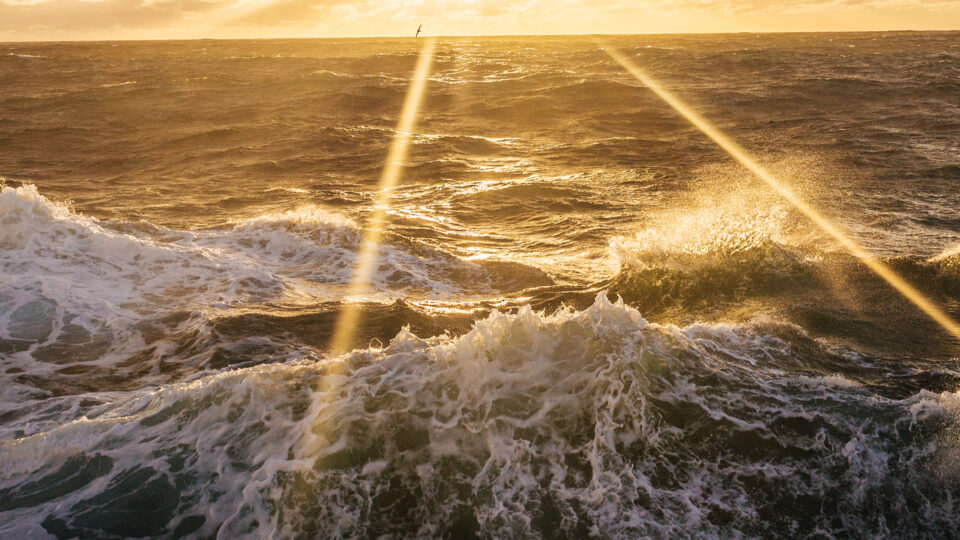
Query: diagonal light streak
(741,155)
(367,256)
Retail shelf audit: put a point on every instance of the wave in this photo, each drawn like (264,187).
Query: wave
(75,289)
(593,422)
(720,264)
(473,146)
(940,274)
(710,256)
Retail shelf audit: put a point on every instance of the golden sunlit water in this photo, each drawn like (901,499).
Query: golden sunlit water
(377,223)
(431,287)
(744,158)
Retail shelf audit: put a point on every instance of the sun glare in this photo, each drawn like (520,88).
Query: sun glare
(744,158)
(367,257)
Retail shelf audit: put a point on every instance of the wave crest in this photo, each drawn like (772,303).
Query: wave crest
(126,289)
(593,422)
(708,255)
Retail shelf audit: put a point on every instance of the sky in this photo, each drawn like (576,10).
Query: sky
(42,20)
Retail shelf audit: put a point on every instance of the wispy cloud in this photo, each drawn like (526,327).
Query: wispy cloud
(67,19)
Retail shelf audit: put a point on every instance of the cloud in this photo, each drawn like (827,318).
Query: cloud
(21,19)
(79,15)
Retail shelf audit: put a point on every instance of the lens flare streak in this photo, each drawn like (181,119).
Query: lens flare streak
(744,158)
(367,257)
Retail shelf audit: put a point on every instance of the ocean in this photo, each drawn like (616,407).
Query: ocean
(585,319)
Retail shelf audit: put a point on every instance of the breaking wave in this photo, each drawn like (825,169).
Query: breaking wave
(717,256)
(709,256)
(75,289)
(591,422)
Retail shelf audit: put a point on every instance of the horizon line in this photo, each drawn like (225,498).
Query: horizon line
(480,36)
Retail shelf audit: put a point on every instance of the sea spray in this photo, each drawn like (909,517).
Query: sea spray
(593,422)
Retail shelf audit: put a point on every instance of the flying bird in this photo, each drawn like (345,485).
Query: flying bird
(418,31)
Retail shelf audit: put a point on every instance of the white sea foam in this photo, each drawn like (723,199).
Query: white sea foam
(99,287)
(628,429)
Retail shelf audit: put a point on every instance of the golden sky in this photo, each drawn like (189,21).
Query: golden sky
(159,19)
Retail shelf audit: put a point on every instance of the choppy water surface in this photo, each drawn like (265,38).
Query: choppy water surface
(585,321)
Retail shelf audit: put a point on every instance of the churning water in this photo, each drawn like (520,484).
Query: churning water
(585,320)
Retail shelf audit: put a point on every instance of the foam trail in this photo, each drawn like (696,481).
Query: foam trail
(744,158)
(367,257)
